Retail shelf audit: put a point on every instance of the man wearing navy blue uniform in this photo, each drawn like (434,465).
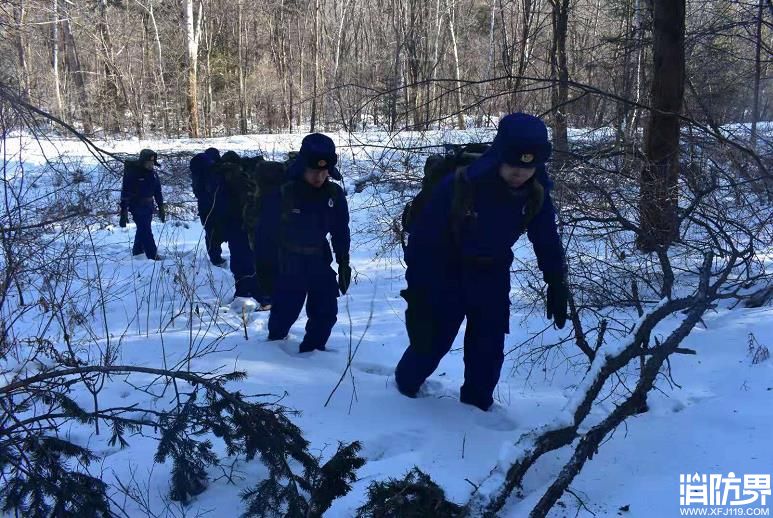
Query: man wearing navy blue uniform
(202,182)
(232,184)
(140,188)
(460,251)
(293,228)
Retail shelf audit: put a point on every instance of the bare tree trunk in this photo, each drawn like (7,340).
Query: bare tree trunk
(208,98)
(321,83)
(138,91)
(757,74)
(111,98)
(242,94)
(290,80)
(633,122)
(161,80)
(435,65)
(457,74)
(21,49)
(336,64)
(486,109)
(524,54)
(395,82)
(301,47)
(55,59)
(315,51)
(491,39)
(193,34)
(560,75)
(74,64)
(659,195)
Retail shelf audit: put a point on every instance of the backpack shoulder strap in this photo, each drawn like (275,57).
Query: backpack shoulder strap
(461,203)
(287,195)
(534,203)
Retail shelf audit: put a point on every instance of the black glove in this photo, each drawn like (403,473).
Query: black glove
(161,214)
(344,276)
(124,219)
(558,297)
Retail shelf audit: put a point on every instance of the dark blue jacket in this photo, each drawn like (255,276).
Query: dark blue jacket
(216,192)
(199,166)
(139,188)
(435,254)
(296,219)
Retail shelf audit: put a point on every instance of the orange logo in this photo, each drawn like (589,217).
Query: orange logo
(527,158)
(322,163)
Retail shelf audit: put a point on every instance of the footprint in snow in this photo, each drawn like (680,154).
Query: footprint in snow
(497,418)
(436,389)
(375,369)
(393,444)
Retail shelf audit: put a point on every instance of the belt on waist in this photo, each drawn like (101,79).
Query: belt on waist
(304,250)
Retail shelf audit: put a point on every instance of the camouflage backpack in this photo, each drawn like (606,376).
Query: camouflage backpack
(240,186)
(265,176)
(250,191)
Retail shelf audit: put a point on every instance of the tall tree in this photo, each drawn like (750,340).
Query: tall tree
(74,65)
(111,99)
(659,196)
(161,81)
(560,75)
(757,74)
(55,59)
(242,93)
(316,75)
(457,73)
(21,49)
(193,36)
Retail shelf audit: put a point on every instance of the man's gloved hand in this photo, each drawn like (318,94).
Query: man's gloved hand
(557,300)
(344,276)
(162,214)
(124,219)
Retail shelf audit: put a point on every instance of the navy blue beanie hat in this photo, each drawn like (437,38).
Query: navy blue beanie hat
(212,153)
(149,154)
(318,151)
(522,140)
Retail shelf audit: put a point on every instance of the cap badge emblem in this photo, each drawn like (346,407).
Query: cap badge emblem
(527,158)
(322,163)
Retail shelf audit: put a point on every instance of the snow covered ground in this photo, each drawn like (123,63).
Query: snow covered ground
(716,420)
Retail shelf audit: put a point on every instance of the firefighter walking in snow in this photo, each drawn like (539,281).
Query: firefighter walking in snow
(459,252)
(205,187)
(292,232)
(140,188)
(238,192)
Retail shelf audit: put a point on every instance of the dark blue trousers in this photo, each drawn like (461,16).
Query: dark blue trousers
(309,279)
(266,273)
(482,296)
(143,239)
(242,262)
(213,232)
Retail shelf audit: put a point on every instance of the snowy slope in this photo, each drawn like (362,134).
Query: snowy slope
(716,420)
